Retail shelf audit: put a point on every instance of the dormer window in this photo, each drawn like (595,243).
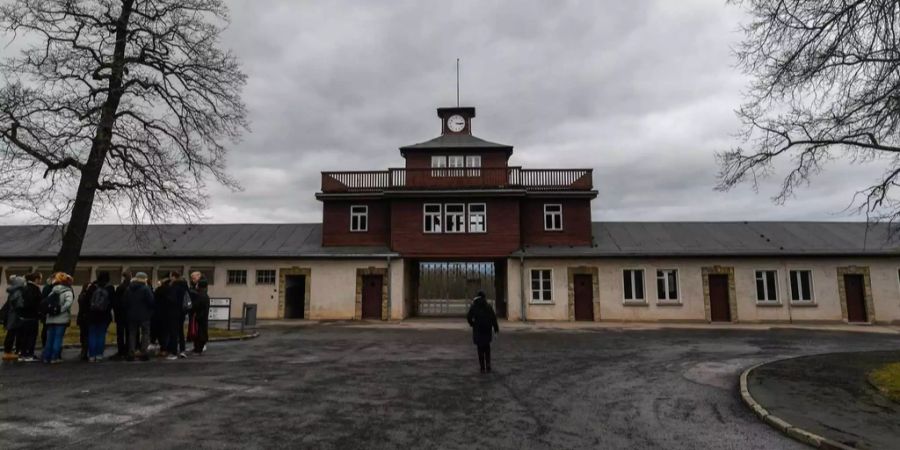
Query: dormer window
(359,218)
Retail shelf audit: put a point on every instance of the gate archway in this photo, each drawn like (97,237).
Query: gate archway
(446,288)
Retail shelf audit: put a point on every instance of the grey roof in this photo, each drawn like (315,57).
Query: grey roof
(297,240)
(611,239)
(456,141)
(642,239)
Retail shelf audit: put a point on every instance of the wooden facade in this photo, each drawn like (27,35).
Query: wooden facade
(514,199)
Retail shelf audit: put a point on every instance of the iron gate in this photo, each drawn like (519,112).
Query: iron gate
(446,289)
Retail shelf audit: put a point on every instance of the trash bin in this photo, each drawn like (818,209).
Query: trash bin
(248,319)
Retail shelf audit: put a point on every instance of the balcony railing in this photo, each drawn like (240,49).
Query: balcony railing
(458,178)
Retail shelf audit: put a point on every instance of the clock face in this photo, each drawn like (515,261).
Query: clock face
(456,123)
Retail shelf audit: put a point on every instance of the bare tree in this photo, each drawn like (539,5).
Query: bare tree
(826,86)
(119,104)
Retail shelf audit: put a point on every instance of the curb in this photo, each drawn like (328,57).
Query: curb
(782,425)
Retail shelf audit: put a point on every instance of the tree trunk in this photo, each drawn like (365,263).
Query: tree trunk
(74,234)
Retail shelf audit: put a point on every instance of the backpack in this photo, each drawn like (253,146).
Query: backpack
(52,305)
(100,300)
(186,304)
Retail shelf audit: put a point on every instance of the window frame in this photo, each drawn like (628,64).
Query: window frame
(668,301)
(274,277)
(364,215)
(554,213)
(447,215)
(812,288)
(777,290)
(439,214)
(469,217)
(472,170)
(541,300)
(634,301)
(229,282)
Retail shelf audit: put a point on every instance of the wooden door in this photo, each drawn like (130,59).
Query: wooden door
(719,304)
(371,296)
(294,296)
(584,297)
(855,292)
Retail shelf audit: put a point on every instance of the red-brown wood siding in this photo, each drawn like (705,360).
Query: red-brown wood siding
(501,238)
(421,159)
(576,222)
(336,224)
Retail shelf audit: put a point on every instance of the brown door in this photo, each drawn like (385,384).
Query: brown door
(584,297)
(371,297)
(719,306)
(855,291)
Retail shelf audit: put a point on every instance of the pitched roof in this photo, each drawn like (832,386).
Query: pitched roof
(456,141)
(295,240)
(644,239)
(611,239)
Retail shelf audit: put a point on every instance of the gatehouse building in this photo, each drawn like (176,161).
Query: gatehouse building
(459,216)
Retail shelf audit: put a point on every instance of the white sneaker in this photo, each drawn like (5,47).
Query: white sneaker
(171,357)
(182,355)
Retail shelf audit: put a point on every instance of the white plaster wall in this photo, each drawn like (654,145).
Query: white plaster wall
(885,285)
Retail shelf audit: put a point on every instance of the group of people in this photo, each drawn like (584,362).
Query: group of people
(146,320)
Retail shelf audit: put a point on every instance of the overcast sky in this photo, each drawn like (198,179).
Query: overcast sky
(641,91)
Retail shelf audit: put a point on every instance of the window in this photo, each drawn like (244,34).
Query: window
(209,273)
(265,276)
(801,285)
(553,217)
(477,218)
(667,285)
(438,164)
(766,286)
(473,161)
(633,283)
(541,285)
(456,164)
(359,218)
(455,215)
(237,277)
(433,218)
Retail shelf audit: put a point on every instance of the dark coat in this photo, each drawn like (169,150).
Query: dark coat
(179,289)
(120,308)
(483,321)
(31,307)
(200,305)
(101,317)
(139,302)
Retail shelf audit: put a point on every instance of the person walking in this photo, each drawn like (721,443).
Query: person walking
(200,319)
(29,314)
(57,306)
(140,303)
(180,307)
(483,320)
(99,316)
(120,309)
(14,301)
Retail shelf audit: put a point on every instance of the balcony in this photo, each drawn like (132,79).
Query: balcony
(458,178)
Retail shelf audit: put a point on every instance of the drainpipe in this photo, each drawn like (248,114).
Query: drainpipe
(389,278)
(522,284)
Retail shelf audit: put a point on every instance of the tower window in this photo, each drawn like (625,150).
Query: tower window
(359,218)
(455,215)
(477,218)
(433,219)
(553,220)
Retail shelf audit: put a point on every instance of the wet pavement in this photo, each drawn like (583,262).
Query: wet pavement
(345,386)
(829,395)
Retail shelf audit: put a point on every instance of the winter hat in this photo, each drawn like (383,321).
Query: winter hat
(16,281)
(141,277)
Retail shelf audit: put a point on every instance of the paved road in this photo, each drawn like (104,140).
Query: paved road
(341,386)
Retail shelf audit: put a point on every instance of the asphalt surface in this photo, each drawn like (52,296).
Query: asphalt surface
(829,395)
(344,386)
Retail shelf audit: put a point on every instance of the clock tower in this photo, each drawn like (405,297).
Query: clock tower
(456,120)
